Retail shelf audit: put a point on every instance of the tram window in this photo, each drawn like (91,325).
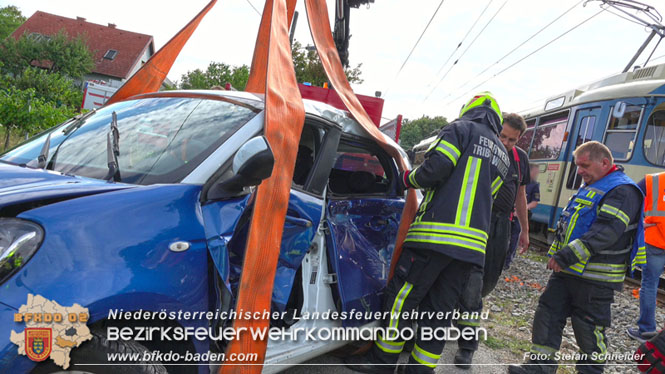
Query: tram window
(620,134)
(586,130)
(587,125)
(548,139)
(654,138)
(525,141)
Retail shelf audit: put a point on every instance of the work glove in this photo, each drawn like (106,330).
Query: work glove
(403,179)
(650,356)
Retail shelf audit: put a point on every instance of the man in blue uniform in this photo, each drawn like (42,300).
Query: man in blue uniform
(599,236)
(463,169)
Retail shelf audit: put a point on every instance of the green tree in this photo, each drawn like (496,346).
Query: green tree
(55,54)
(54,88)
(217,74)
(10,19)
(23,111)
(37,79)
(306,63)
(414,131)
(308,67)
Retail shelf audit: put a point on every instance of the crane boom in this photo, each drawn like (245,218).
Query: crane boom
(341,33)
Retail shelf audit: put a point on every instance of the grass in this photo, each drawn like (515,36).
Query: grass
(495,343)
(501,328)
(537,256)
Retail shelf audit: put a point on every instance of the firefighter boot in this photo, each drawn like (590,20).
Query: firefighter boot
(463,358)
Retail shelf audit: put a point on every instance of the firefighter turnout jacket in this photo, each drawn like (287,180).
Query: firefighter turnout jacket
(600,232)
(461,174)
(654,210)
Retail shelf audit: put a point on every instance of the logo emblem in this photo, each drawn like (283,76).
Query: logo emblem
(38,343)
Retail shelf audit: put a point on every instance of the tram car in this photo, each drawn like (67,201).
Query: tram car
(626,112)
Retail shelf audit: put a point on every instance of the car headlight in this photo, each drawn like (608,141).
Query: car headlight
(19,240)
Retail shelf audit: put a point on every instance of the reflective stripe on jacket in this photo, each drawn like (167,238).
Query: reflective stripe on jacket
(462,171)
(577,218)
(654,210)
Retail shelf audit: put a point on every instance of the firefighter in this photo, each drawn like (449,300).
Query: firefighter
(651,355)
(512,194)
(463,169)
(654,237)
(599,237)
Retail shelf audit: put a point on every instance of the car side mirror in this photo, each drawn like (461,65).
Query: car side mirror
(252,163)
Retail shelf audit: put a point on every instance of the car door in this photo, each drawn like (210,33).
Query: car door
(363,211)
(227,221)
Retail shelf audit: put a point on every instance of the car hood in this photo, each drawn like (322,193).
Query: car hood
(20,185)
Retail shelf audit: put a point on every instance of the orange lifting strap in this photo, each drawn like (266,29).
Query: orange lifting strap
(257,74)
(284,119)
(151,75)
(262,249)
(319,24)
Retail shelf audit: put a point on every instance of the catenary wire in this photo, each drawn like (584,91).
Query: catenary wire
(253,7)
(464,52)
(464,38)
(414,46)
(525,57)
(516,48)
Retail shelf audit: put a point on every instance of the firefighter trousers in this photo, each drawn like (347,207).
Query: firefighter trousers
(432,283)
(483,280)
(588,305)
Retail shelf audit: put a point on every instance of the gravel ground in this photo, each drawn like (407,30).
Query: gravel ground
(511,308)
(515,298)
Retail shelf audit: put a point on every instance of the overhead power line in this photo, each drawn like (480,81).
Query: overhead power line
(464,38)
(467,48)
(525,57)
(420,37)
(253,7)
(415,45)
(517,47)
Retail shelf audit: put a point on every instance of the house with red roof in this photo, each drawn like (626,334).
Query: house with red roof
(117,53)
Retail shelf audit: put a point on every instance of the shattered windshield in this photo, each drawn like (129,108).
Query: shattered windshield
(161,139)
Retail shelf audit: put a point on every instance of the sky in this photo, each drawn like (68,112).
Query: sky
(384,33)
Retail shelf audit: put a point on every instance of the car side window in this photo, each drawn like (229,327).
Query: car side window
(308,149)
(360,170)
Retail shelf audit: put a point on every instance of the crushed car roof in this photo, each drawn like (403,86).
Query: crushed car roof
(323,110)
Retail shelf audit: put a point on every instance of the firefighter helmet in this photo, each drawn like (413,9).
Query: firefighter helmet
(482,98)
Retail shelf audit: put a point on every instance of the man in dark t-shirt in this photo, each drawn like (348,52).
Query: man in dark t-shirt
(511,194)
(532,199)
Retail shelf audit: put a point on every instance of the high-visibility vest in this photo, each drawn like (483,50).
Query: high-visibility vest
(454,215)
(577,218)
(654,210)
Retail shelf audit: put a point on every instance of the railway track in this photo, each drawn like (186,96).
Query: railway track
(538,243)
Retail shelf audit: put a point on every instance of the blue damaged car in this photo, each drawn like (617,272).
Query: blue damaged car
(144,205)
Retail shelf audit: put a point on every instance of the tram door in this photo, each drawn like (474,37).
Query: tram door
(586,124)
